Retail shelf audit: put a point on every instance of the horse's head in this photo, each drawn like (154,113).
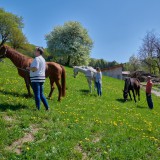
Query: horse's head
(125,95)
(75,72)
(3,51)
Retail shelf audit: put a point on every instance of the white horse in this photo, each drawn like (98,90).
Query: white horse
(89,73)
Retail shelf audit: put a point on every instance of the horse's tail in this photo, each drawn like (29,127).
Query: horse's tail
(139,83)
(138,80)
(63,81)
(138,87)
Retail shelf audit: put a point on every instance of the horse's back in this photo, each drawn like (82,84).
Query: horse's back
(54,64)
(53,69)
(135,83)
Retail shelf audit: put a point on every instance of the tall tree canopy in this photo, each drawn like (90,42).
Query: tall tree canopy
(71,43)
(11,28)
(150,52)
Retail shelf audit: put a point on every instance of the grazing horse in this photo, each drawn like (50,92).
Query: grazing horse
(89,73)
(54,71)
(132,84)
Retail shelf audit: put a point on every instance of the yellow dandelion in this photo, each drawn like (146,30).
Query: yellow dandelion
(28,148)
(86,139)
(114,123)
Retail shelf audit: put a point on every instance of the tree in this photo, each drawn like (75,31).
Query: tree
(9,25)
(157,56)
(147,51)
(17,39)
(150,52)
(134,63)
(71,42)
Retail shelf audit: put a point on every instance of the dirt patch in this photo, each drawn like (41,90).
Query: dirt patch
(80,150)
(96,139)
(28,137)
(9,119)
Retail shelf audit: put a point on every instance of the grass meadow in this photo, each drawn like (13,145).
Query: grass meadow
(81,126)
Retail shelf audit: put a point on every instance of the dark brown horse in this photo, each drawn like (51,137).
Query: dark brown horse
(54,71)
(132,84)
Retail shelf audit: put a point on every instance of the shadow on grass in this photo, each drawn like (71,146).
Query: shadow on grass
(87,92)
(84,91)
(120,100)
(14,94)
(123,101)
(5,106)
(142,107)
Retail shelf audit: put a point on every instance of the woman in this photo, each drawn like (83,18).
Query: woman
(99,81)
(37,77)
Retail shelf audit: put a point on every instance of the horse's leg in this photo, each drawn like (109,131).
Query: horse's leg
(95,87)
(130,95)
(89,84)
(59,90)
(52,87)
(27,82)
(139,94)
(134,95)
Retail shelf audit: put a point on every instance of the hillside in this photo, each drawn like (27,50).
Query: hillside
(81,126)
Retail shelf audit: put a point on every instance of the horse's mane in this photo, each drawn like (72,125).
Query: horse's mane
(17,54)
(17,58)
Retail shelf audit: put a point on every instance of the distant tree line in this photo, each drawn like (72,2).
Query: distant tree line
(101,63)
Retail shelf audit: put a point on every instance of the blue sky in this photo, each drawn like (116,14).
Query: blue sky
(117,27)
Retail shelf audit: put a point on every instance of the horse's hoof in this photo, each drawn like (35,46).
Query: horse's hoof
(59,100)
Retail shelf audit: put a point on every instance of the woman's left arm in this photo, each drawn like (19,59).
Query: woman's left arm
(33,69)
(35,65)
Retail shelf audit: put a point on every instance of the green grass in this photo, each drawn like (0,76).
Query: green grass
(81,126)
(156,87)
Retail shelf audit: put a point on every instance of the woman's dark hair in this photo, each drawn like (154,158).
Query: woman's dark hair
(40,49)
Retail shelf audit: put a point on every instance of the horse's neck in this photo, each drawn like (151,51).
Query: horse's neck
(127,84)
(81,70)
(15,57)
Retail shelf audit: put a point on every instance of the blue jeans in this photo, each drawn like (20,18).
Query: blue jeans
(149,100)
(38,93)
(99,88)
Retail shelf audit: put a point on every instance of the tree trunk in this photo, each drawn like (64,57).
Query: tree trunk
(68,61)
(2,43)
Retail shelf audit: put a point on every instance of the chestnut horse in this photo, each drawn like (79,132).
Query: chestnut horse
(54,71)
